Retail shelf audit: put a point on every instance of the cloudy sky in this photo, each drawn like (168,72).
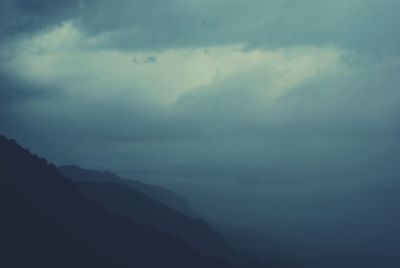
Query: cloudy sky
(158,83)
(256,93)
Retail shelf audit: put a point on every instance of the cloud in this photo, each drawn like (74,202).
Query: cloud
(213,91)
(197,78)
(25,17)
(158,25)
(357,25)
(218,84)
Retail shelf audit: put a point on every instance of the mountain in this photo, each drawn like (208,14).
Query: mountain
(122,196)
(47,222)
(169,198)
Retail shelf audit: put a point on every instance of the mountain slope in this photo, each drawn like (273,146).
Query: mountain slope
(47,222)
(122,197)
(169,198)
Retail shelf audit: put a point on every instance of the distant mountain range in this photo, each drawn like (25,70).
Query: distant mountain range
(97,220)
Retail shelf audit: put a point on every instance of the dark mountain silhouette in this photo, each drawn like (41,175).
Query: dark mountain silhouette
(120,195)
(169,198)
(47,222)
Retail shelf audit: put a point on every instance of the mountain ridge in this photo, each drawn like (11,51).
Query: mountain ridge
(48,222)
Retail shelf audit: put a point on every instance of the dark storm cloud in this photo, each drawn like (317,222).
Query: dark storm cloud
(146,25)
(152,24)
(167,24)
(22,17)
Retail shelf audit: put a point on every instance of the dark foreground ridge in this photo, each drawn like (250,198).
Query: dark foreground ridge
(47,222)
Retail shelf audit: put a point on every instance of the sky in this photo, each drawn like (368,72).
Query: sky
(151,84)
(232,100)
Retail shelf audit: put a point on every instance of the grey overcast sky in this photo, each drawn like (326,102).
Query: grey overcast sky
(308,90)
